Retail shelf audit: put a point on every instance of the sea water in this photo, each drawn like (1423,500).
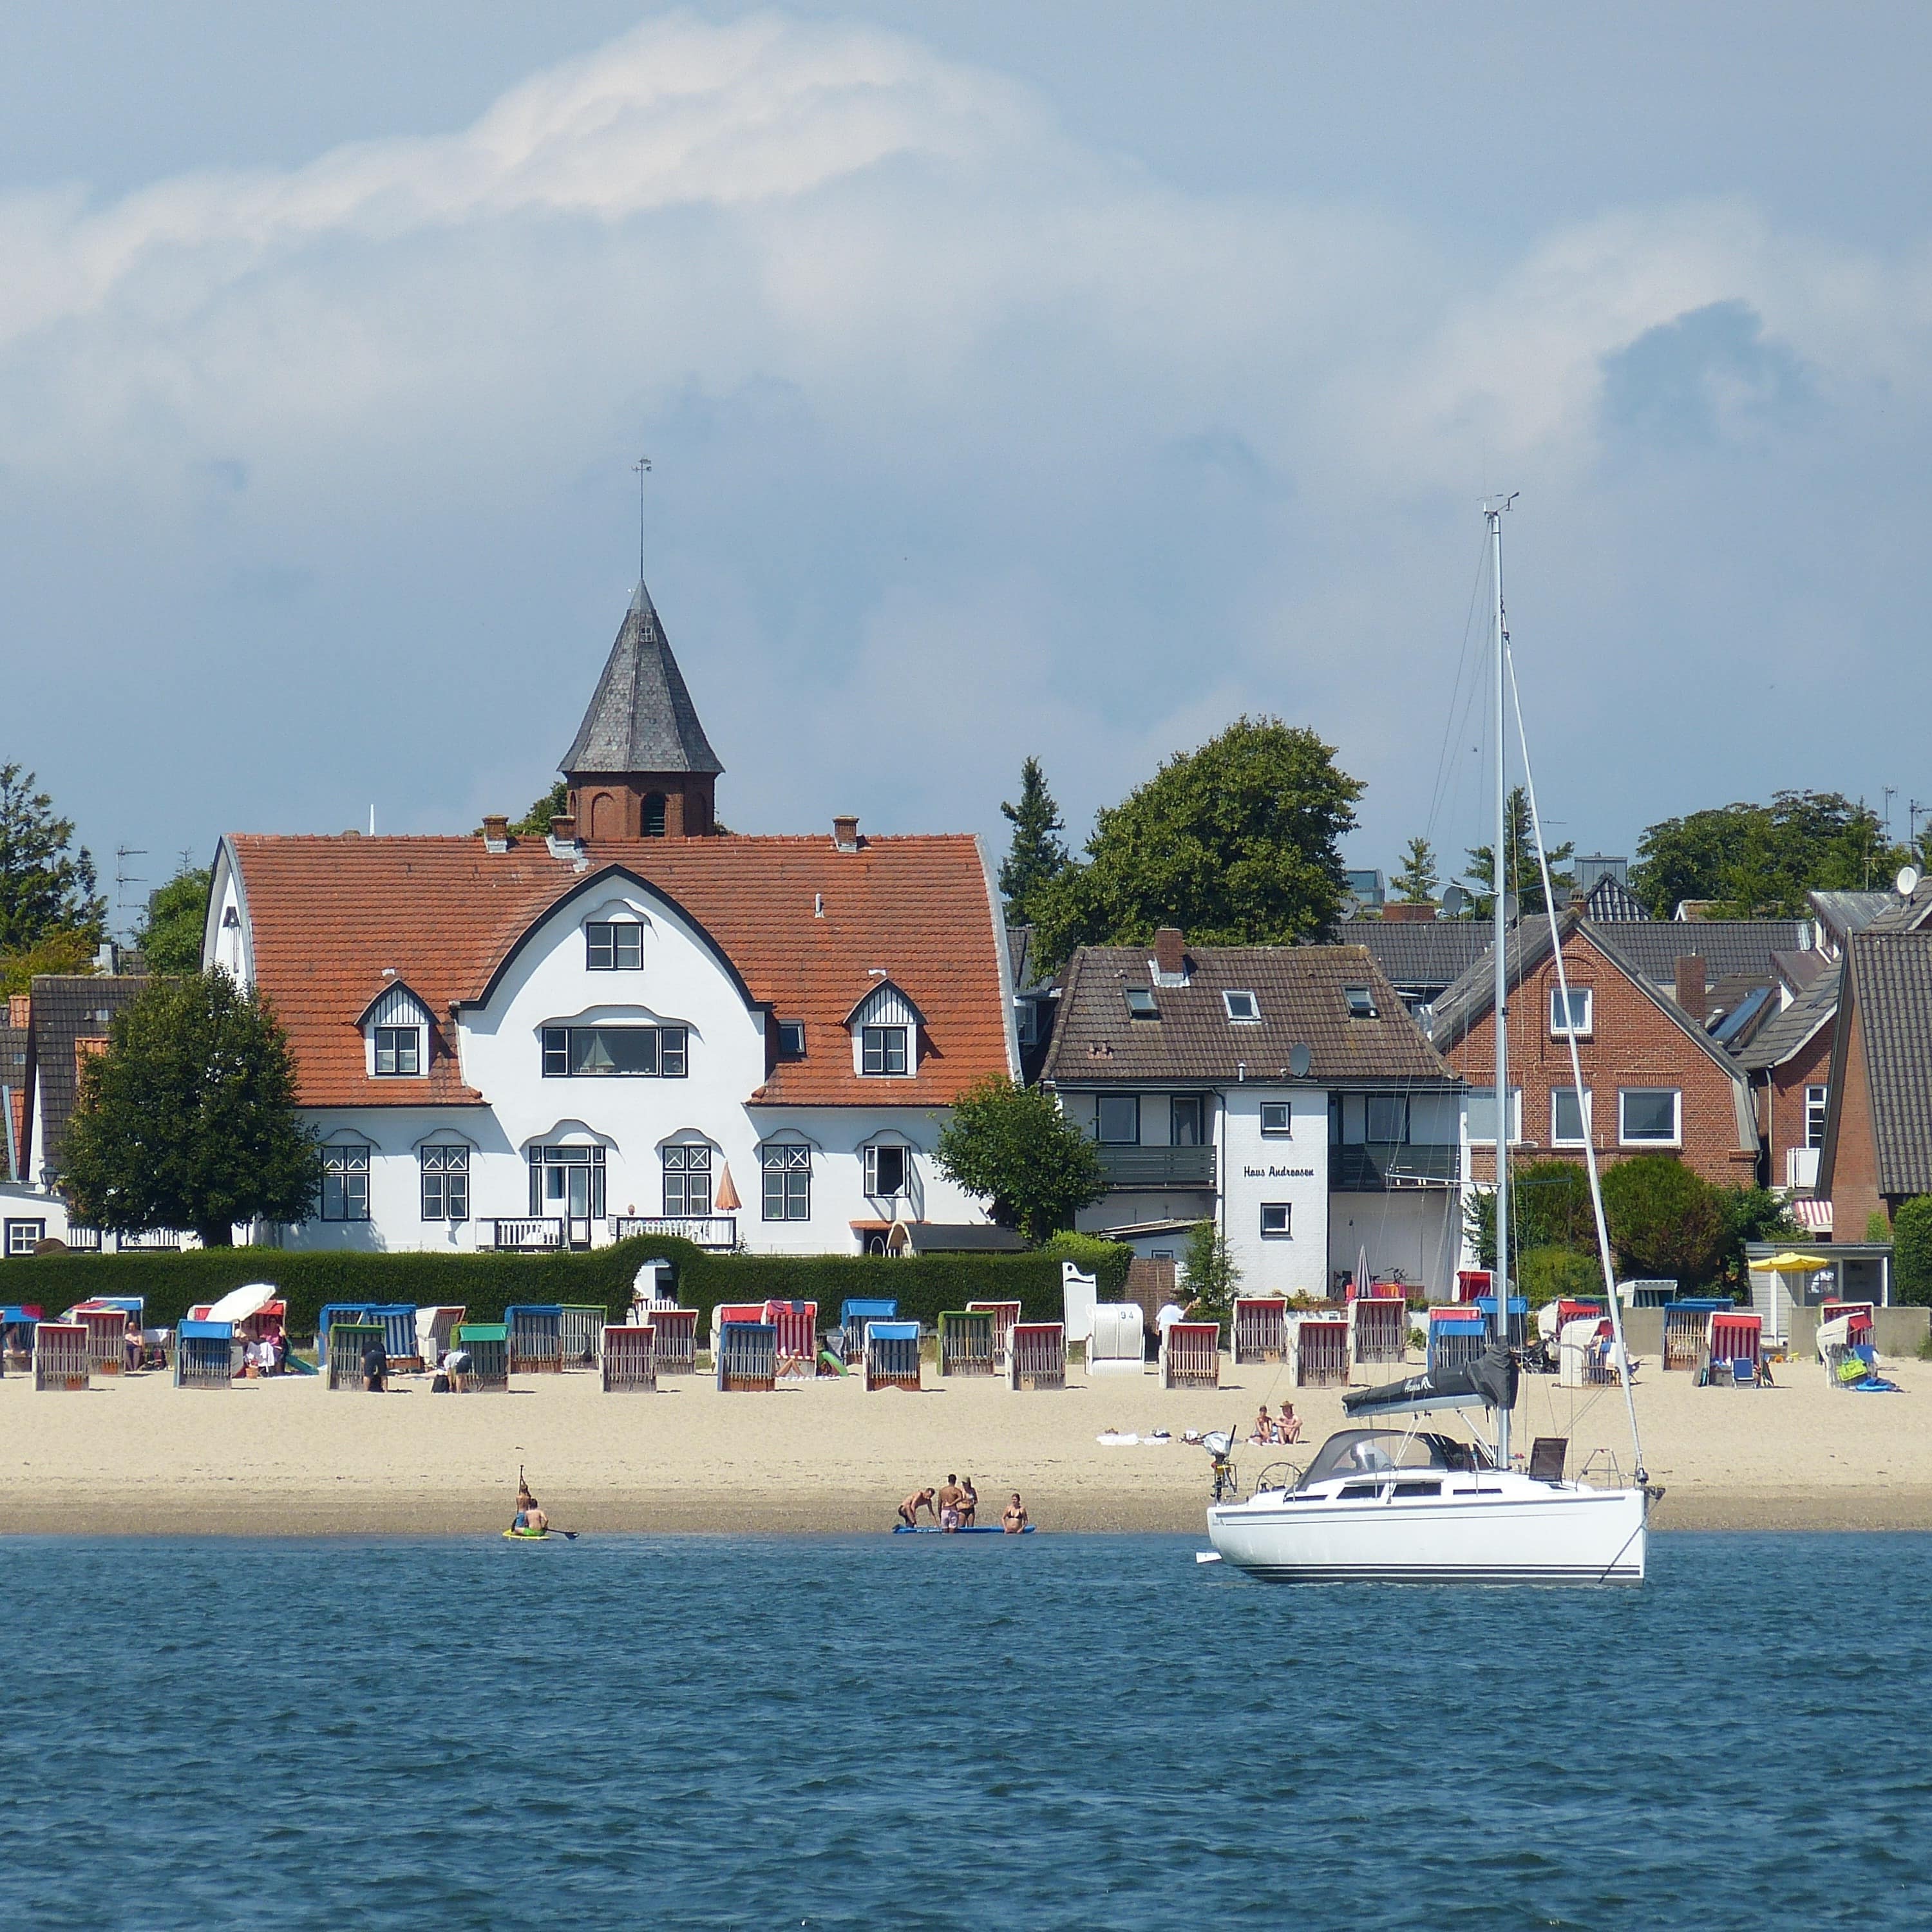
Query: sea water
(1076,1731)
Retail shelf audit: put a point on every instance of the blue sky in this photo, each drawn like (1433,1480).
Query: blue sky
(1066,380)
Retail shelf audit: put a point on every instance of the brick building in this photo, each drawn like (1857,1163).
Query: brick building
(1654,1080)
(1789,1065)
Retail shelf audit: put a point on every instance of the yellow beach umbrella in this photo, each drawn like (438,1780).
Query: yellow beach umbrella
(1788,1263)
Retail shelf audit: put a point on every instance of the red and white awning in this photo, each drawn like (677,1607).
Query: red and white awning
(1814,1216)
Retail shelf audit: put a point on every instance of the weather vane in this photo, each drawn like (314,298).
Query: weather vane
(642,467)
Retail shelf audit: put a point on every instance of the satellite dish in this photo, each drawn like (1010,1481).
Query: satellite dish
(1299,1061)
(1907,881)
(1454,901)
(1512,908)
(1352,906)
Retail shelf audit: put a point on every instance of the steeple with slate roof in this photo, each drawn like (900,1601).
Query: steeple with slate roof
(640,766)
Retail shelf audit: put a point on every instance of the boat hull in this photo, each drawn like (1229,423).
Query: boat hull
(1518,1532)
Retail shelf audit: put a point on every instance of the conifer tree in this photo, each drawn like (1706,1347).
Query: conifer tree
(1415,883)
(1038,855)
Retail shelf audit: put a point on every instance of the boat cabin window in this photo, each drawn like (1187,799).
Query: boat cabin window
(1418,1489)
(1352,1492)
(1371,1452)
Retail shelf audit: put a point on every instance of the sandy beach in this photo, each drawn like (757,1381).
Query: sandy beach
(287,1457)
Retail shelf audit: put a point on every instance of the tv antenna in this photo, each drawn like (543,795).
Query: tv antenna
(123,879)
(642,468)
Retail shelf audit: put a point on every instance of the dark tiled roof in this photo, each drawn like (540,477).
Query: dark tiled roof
(1902,915)
(1610,899)
(1024,959)
(13,1044)
(1653,947)
(1787,1032)
(329,914)
(1423,955)
(1891,980)
(641,718)
(1847,913)
(68,1007)
(1298,990)
(1798,970)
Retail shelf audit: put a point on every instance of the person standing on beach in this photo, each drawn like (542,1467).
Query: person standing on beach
(969,1503)
(1013,1518)
(909,1509)
(949,1494)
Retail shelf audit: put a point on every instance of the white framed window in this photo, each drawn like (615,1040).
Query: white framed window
(614,946)
(1187,1120)
(1566,1116)
(623,1052)
(787,1180)
(887,1166)
(345,1182)
(882,1050)
(1117,1119)
(1243,1008)
(1649,1116)
(791,1040)
(445,1182)
(398,1050)
(1277,1117)
(567,1181)
(1482,1115)
(23,1237)
(1361,1003)
(687,1179)
(1276,1217)
(1576,1018)
(1816,1099)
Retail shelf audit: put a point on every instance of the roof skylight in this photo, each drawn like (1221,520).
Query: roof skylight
(1140,1002)
(1241,1006)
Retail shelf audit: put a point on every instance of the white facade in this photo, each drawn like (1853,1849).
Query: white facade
(561,1141)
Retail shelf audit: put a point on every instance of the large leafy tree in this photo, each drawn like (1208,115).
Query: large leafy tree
(1238,843)
(170,940)
(535,822)
(1038,854)
(1761,859)
(1666,1219)
(1524,876)
(188,1119)
(1012,1146)
(58,952)
(1417,877)
(46,885)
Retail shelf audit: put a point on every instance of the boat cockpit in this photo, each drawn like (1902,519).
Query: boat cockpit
(1381,1452)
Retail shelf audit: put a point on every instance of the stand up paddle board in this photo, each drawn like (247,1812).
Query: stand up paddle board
(933,1529)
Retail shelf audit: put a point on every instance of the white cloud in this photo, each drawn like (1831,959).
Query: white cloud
(930,386)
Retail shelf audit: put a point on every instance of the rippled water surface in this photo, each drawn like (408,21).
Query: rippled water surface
(1070,1731)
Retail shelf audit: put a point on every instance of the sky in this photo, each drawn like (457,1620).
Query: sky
(1065,380)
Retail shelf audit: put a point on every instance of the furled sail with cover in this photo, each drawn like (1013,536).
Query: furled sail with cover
(1488,1381)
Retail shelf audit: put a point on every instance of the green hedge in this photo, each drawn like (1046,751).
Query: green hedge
(925,1285)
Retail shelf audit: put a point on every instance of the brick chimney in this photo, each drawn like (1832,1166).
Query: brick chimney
(845,831)
(563,828)
(1170,953)
(1690,991)
(1397,912)
(496,831)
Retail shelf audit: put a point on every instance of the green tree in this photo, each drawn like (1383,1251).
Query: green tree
(1524,876)
(1237,843)
(1013,1147)
(1416,879)
(1912,1250)
(1758,860)
(1549,1208)
(1038,854)
(46,886)
(1665,1220)
(1210,1272)
(1750,1214)
(535,823)
(188,1120)
(58,952)
(170,939)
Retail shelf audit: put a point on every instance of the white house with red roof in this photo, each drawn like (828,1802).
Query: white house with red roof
(637,1024)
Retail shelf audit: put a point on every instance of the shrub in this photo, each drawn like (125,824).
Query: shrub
(1210,1273)
(1107,1262)
(1549,1273)
(1665,1219)
(1878,1225)
(1550,1207)
(1912,1251)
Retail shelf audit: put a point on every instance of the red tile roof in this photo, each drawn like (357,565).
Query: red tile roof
(329,914)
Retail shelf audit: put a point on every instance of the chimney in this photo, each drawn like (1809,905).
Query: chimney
(496,831)
(1397,912)
(1170,954)
(1690,993)
(563,828)
(845,832)
(19,1010)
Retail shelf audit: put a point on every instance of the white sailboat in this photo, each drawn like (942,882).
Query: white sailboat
(1388,1499)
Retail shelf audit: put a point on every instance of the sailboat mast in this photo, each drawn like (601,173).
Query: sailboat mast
(1499,893)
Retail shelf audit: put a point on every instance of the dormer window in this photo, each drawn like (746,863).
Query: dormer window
(882,1049)
(614,946)
(1243,1008)
(398,1050)
(1140,1003)
(885,1028)
(1361,1003)
(791,1040)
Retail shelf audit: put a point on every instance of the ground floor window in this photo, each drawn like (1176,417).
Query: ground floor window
(1275,1218)
(687,1179)
(886,1170)
(445,1183)
(567,1181)
(787,1178)
(23,1237)
(345,1183)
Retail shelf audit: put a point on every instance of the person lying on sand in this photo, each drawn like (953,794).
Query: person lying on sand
(1013,1517)
(909,1509)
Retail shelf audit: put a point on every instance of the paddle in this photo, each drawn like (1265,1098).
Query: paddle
(523,1489)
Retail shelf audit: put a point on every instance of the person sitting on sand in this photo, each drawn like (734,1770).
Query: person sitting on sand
(1013,1517)
(969,1503)
(909,1509)
(1288,1429)
(1264,1427)
(949,1494)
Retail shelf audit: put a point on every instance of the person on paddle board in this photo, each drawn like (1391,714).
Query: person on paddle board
(530,1518)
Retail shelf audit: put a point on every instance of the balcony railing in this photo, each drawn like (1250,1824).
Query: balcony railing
(153,1241)
(704,1231)
(1369,1167)
(1801,1167)
(83,1240)
(534,1234)
(1158,1166)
